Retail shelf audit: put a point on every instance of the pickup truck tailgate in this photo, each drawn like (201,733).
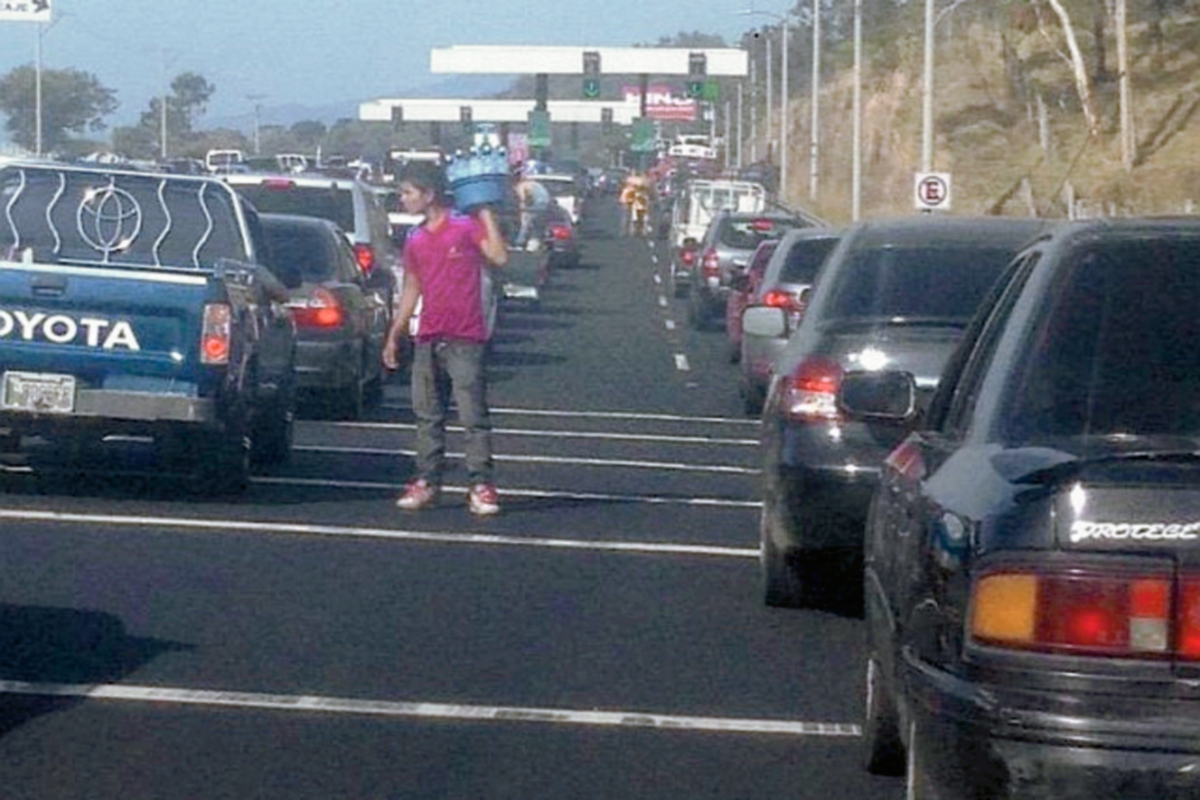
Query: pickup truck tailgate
(113,329)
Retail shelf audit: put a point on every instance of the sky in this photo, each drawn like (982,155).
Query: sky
(281,52)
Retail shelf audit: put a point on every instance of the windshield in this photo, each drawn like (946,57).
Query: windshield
(333,204)
(933,283)
(305,247)
(748,233)
(804,259)
(1117,352)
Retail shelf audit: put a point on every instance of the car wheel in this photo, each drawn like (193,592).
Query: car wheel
(884,751)
(782,584)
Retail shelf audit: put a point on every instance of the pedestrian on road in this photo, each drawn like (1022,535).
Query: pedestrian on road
(444,259)
(533,202)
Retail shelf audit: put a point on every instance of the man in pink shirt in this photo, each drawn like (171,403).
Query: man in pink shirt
(444,260)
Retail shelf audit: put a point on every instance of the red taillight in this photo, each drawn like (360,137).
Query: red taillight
(278,184)
(215,334)
(777,298)
(810,392)
(1085,612)
(560,232)
(711,265)
(688,257)
(321,310)
(1188,643)
(762,225)
(365,258)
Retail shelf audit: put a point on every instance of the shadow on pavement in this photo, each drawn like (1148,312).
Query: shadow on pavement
(65,646)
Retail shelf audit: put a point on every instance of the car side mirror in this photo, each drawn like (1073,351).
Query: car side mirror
(765,322)
(882,396)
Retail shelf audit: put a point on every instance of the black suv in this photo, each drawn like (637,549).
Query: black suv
(894,294)
(1032,569)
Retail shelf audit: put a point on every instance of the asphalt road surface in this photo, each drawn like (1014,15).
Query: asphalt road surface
(604,637)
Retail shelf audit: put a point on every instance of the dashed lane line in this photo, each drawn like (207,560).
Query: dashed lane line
(670,324)
(165,695)
(540,494)
(235,526)
(662,301)
(681,363)
(562,460)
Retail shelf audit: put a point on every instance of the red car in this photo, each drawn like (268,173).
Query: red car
(743,287)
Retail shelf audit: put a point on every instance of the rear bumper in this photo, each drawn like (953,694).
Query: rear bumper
(326,365)
(996,741)
(95,405)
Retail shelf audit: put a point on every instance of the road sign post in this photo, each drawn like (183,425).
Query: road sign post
(932,191)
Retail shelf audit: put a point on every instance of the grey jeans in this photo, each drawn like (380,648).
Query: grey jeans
(439,369)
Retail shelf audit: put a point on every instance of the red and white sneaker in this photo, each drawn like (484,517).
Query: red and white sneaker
(483,500)
(418,495)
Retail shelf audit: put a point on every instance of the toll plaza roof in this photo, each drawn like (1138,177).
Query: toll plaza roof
(510,60)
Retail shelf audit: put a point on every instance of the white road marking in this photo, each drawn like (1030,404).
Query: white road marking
(582,462)
(547,494)
(657,279)
(624,415)
(670,324)
(401,710)
(662,301)
(681,363)
(335,531)
(621,437)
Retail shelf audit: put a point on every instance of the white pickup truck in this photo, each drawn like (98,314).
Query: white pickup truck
(694,210)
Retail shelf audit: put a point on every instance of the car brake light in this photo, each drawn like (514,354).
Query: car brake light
(321,310)
(762,225)
(215,334)
(777,298)
(711,265)
(560,232)
(1081,611)
(688,256)
(278,184)
(1188,641)
(810,392)
(364,256)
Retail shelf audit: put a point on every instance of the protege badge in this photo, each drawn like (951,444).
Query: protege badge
(62,329)
(1134,532)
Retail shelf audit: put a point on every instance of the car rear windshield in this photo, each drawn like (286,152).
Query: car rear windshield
(804,259)
(747,234)
(1117,353)
(284,197)
(306,247)
(927,282)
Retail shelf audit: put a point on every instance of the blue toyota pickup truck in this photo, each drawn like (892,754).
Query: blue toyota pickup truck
(137,306)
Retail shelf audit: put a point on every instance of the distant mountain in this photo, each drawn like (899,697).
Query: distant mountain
(291,113)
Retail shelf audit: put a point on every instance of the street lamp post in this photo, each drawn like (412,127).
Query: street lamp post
(814,140)
(784,115)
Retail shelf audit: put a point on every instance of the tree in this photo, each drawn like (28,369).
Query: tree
(189,98)
(73,103)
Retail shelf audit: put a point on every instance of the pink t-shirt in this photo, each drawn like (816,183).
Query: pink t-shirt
(448,264)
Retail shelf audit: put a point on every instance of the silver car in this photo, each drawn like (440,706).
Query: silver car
(786,283)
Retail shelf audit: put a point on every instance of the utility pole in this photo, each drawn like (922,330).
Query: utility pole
(1127,136)
(255,98)
(814,145)
(856,177)
(740,116)
(927,104)
(769,97)
(37,93)
(753,112)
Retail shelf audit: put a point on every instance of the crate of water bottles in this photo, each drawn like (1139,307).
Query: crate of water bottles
(478,177)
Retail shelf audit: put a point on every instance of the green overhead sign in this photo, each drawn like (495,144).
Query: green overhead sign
(642,140)
(539,129)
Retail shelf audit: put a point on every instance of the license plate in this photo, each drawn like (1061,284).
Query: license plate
(38,392)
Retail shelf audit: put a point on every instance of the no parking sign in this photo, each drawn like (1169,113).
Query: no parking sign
(932,191)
